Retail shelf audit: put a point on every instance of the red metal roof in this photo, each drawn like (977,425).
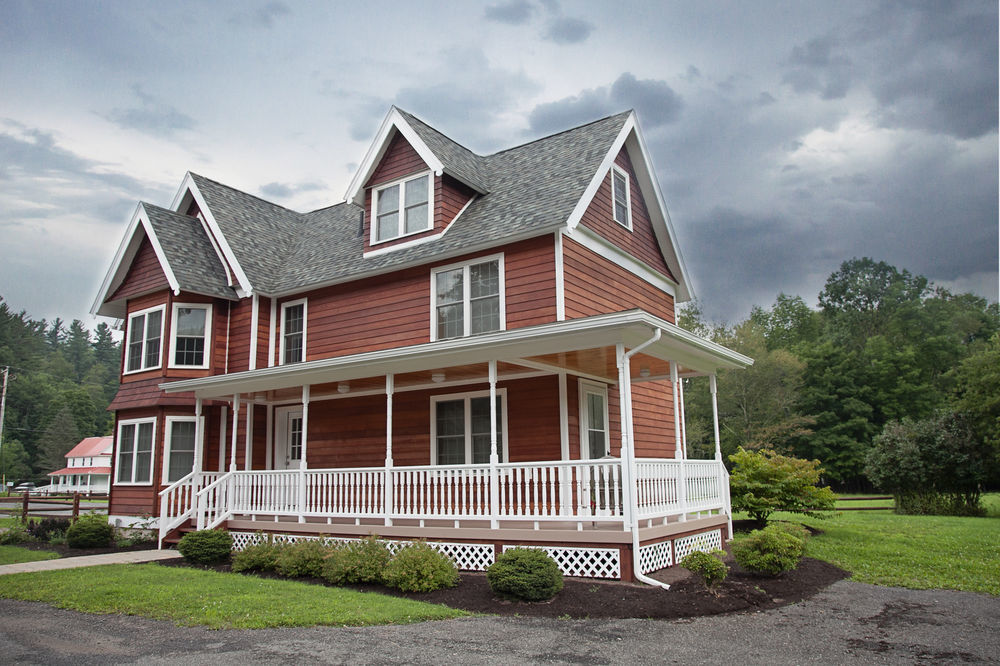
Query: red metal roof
(81,470)
(91,446)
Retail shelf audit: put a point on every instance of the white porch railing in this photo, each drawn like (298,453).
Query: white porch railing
(578,491)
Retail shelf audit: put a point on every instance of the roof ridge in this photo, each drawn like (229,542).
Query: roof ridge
(437,131)
(252,196)
(565,131)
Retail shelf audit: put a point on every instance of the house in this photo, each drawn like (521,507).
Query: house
(479,351)
(87,470)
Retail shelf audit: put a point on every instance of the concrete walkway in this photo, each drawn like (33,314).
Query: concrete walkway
(130,557)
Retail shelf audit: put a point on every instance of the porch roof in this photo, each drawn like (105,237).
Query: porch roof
(554,346)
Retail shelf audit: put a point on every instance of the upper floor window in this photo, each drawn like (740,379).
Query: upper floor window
(135,452)
(401,208)
(622,197)
(293,331)
(192,332)
(145,330)
(468,298)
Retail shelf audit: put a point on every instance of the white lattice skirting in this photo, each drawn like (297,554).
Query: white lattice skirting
(655,556)
(466,556)
(583,562)
(706,541)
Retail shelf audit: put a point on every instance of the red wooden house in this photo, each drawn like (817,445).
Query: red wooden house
(479,351)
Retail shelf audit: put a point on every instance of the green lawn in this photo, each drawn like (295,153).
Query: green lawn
(15,555)
(217,600)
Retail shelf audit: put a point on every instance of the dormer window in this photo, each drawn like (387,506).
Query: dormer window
(145,330)
(402,208)
(621,197)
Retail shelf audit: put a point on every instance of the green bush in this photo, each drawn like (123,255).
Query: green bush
(525,573)
(763,482)
(419,568)
(206,546)
(48,528)
(261,556)
(797,530)
(90,531)
(357,562)
(707,565)
(14,535)
(769,551)
(302,559)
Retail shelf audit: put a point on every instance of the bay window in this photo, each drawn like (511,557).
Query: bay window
(135,452)
(467,299)
(192,333)
(145,331)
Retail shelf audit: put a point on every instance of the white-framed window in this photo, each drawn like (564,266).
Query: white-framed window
(179,447)
(460,428)
(293,331)
(135,452)
(145,332)
(468,298)
(595,437)
(402,207)
(191,335)
(621,197)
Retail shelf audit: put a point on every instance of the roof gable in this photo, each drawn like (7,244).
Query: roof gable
(91,446)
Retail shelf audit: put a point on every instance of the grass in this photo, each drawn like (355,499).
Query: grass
(15,555)
(192,597)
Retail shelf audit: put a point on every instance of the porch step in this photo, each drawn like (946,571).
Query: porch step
(175,535)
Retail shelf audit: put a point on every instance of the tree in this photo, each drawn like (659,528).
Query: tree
(763,482)
(977,392)
(78,349)
(789,322)
(56,441)
(14,462)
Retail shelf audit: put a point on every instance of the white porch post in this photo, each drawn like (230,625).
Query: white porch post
(199,439)
(269,439)
(222,438)
(248,439)
(236,426)
(302,460)
(388,483)
(565,475)
(627,453)
(678,449)
(714,389)
(494,459)
(684,435)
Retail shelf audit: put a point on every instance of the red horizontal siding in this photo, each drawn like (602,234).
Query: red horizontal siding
(144,275)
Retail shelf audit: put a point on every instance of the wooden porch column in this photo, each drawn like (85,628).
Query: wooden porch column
(627,453)
(494,459)
(236,426)
(302,460)
(248,439)
(684,435)
(678,447)
(388,483)
(199,438)
(714,389)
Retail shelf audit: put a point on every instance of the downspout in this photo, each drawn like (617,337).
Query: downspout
(625,382)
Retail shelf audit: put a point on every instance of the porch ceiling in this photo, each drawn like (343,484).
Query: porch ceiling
(583,346)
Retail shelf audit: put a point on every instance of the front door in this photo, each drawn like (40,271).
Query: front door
(288,438)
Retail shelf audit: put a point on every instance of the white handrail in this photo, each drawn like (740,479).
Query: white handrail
(177,501)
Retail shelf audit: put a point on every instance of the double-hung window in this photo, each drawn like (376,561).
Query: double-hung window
(192,333)
(621,197)
(135,452)
(180,446)
(461,428)
(594,436)
(467,298)
(145,331)
(293,332)
(402,208)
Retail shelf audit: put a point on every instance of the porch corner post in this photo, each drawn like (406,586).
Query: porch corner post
(387,484)
(684,435)
(714,389)
(236,425)
(199,440)
(494,458)
(626,453)
(678,452)
(302,460)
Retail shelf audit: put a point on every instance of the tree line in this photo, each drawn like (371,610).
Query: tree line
(884,347)
(61,381)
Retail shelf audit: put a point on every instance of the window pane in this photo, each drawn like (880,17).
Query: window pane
(293,327)
(416,219)
(181,449)
(153,323)
(388,200)
(293,319)
(451,450)
(621,212)
(190,322)
(595,409)
(136,334)
(484,279)
(620,187)
(449,286)
(450,324)
(416,191)
(485,315)
(598,449)
(293,348)
(126,446)
(480,408)
(450,422)
(189,351)
(144,453)
(387,226)
(295,437)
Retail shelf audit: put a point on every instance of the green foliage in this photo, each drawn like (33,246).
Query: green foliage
(931,466)
(262,556)
(977,391)
(61,436)
(525,573)
(764,481)
(770,551)
(707,565)
(14,461)
(15,534)
(361,561)
(419,568)
(797,530)
(90,531)
(206,546)
(303,559)
(46,529)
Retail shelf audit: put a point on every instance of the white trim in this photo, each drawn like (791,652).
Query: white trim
(560,277)
(467,396)
(223,440)
(167,442)
(269,438)
(563,417)
(617,170)
(305,318)
(401,210)
(135,449)
(595,182)
(417,241)
(254,326)
(142,354)
(596,243)
(585,388)
(248,436)
(207,354)
(272,331)
(466,319)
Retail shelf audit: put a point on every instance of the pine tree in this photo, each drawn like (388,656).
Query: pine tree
(56,441)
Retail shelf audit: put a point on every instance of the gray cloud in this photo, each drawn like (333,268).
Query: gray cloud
(278,190)
(816,67)
(514,12)
(264,16)
(568,30)
(154,116)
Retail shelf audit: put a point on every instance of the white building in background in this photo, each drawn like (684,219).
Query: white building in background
(88,468)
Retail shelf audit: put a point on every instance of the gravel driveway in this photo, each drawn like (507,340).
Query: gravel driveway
(847,623)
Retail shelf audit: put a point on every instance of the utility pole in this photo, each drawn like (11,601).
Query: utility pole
(3,407)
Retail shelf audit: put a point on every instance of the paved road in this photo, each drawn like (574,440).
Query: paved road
(846,624)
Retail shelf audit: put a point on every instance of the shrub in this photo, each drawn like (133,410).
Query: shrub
(90,531)
(357,562)
(206,546)
(48,528)
(525,573)
(261,556)
(795,529)
(302,559)
(769,551)
(707,565)
(15,534)
(419,568)
(763,482)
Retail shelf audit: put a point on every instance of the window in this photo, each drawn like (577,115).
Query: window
(401,208)
(192,331)
(293,332)
(621,197)
(135,452)
(467,299)
(145,330)
(594,437)
(460,428)
(179,455)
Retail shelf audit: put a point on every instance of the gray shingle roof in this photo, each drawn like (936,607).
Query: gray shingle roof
(459,161)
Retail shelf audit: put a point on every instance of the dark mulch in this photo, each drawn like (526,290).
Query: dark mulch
(66,551)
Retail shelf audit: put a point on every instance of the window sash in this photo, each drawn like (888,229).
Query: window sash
(135,453)
(621,197)
(468,299)
(145,329)
(191,328)
(462,430)
(595,434)
(402,208)
(293,333)
(182,447)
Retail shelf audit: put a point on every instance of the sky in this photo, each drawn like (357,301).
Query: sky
(787,137)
